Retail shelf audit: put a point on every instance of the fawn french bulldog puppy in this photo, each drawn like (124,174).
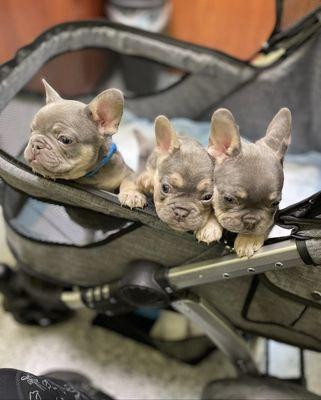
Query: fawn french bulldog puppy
(248,178)
(179,173)
(71,140)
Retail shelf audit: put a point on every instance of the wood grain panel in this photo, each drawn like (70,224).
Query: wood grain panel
(73,74)
(294,10)
(236,27)
(21,21)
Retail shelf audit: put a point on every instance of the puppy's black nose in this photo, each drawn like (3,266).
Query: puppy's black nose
(181,213)
(250,221)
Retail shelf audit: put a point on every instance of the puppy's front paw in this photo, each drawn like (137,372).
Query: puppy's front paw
(145,182)
(247,245)
(210,232)
(132,198)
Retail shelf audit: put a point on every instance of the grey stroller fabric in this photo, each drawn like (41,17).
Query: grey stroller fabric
(278,304)
(197,62)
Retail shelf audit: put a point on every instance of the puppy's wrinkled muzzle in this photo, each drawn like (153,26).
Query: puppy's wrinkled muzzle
(43,158)
(36,146)
(250,222)
(180,213)
(37,143)
(247,224)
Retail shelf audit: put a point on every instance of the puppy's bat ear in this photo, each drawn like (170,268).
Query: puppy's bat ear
(106,110)
(166,137)
(278,133)
(224,141)
(51,95)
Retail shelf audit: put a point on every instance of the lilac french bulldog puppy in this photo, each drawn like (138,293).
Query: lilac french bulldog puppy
(73,141)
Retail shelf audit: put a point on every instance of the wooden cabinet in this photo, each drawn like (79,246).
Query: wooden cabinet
(21,21)
(293,10)
(236,27)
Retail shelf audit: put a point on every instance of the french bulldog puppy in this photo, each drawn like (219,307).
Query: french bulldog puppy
(71,140)
(179,173)
(248,178)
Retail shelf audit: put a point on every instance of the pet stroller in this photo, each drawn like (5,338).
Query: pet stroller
(97,254)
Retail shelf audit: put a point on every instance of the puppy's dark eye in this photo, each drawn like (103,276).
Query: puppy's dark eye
(64,139)
(275,203)
(229,199)
(207,197)
(166,188)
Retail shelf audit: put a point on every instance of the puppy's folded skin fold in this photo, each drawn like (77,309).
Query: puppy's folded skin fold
(69,140)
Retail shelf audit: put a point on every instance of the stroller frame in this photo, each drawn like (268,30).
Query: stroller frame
(171,286)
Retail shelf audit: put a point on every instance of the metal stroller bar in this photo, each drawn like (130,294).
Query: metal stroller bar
(220,331)
(275,256)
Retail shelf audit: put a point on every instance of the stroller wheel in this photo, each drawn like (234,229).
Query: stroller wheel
(21,299)
(32,314)
(5,273)
(27,312)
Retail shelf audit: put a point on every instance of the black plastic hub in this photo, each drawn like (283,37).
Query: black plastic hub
(144,285)
(140,286)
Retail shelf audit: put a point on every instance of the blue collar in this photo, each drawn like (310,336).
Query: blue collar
(112,150)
